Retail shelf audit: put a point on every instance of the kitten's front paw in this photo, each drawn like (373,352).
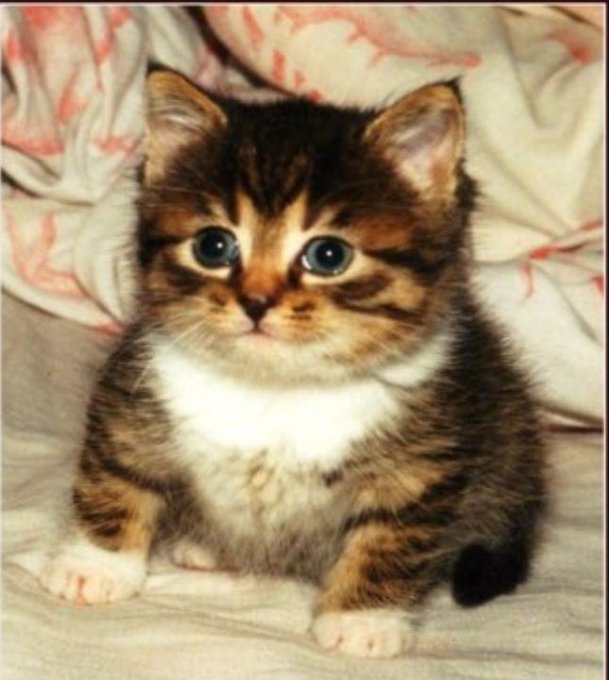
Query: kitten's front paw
(86,574)
(186,553)
(366,632)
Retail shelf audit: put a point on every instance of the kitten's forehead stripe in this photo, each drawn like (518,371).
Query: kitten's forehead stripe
(229,202)
(295,213)
(332,217)
(272,180)
(343,217)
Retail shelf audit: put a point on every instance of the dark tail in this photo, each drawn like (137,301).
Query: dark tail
(480,573)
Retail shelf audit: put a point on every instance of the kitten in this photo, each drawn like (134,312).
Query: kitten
(309,388)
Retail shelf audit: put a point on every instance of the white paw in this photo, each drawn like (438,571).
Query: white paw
(83,573)
(365,632)
(186,553)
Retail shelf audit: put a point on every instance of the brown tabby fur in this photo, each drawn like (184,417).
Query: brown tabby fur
(462,466)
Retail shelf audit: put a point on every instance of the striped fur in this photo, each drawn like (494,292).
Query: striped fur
(366,430)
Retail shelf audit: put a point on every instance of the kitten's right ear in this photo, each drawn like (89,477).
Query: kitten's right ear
(422,136)
(178,114)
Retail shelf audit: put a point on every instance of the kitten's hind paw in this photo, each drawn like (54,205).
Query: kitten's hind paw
(85,574)
(364,633)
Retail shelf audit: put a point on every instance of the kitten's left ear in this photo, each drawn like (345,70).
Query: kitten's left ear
(178,114)
(422,135)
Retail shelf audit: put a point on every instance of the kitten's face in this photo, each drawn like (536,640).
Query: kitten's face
(289,242)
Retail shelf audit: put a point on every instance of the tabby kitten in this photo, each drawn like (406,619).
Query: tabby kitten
(309,388)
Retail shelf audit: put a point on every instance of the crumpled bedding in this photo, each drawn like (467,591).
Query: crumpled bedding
(188,625)
(72,101)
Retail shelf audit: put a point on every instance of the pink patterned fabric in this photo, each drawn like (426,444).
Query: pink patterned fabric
(72,122)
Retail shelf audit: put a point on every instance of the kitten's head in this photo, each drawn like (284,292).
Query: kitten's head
(296,242)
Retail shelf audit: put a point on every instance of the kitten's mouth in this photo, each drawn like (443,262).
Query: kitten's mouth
(257,332)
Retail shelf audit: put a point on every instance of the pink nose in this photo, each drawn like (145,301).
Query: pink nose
(256,306)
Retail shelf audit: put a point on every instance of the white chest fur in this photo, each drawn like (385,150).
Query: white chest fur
(299,425)
(258,454)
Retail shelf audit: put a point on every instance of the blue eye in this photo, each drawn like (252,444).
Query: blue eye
(327,256)
(215,247)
